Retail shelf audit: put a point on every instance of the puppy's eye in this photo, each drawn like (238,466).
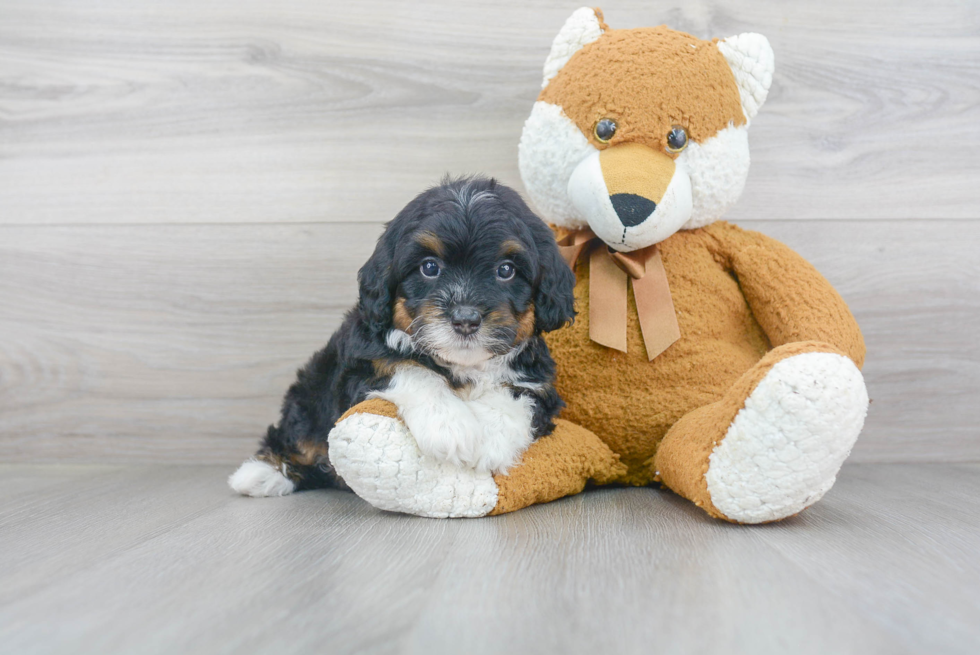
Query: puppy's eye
(605,129)
(430,268)
(506,271)
(676,139)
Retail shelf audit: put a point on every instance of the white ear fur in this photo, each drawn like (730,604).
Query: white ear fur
(581,28)
(751,59)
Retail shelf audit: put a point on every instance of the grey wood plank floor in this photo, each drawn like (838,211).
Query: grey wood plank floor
(166,559)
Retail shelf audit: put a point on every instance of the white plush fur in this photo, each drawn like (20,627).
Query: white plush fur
(588,193)
(380,460)
(481,427)
(258,479)
(753,62)
(582,27)
(551,148)
(717,169)
(561,173)
(782,452)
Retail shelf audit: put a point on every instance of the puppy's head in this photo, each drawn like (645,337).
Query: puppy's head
(465,272)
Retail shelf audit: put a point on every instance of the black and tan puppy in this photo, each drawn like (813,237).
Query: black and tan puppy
(448,327)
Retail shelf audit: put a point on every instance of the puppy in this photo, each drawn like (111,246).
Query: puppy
(448,327)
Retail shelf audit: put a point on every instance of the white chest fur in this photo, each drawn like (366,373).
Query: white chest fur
(481,427)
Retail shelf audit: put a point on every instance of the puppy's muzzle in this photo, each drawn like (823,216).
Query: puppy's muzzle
(465,320)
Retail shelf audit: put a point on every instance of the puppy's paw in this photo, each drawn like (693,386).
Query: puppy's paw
(450,433)
(258,478)
(505,424)
(443,426)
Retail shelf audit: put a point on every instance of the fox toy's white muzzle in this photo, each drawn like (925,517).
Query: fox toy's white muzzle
(632,195)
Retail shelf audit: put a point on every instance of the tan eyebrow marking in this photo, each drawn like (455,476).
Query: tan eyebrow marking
(511,247)
(432,242)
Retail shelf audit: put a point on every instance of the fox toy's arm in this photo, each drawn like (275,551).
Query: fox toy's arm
(788,296)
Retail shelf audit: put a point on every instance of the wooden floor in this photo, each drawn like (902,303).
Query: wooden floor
(167,560)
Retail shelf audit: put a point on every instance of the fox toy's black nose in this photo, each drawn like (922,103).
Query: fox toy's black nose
(631,208)
(466,320)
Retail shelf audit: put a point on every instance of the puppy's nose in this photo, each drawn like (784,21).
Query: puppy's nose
(466,320)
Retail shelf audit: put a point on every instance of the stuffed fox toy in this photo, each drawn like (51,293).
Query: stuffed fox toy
(710,359)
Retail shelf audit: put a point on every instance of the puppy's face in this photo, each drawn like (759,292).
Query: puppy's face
(466,272)
(465,286)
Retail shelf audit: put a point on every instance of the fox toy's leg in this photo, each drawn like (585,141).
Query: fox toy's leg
(556,466)
(773,445)
(376,455)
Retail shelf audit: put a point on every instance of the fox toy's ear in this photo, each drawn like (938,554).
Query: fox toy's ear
(581,28)
(750,57)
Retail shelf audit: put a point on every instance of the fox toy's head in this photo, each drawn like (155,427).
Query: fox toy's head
(640,133)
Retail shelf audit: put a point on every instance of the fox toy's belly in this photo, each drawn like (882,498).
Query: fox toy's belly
(630,402)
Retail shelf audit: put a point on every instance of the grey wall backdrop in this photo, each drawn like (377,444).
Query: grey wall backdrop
(187,189)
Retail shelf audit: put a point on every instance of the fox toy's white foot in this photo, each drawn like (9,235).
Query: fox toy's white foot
(782,452)
(380,461)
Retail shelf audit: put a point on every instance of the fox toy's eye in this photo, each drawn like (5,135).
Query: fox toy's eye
(605,129)
(676,139)
(430,268)
(506,271)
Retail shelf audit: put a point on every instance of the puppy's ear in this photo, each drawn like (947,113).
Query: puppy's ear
(378,280)
(554,297)
(374,287)
(554,300)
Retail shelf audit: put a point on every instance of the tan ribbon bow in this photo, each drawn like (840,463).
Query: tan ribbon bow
(608,274)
